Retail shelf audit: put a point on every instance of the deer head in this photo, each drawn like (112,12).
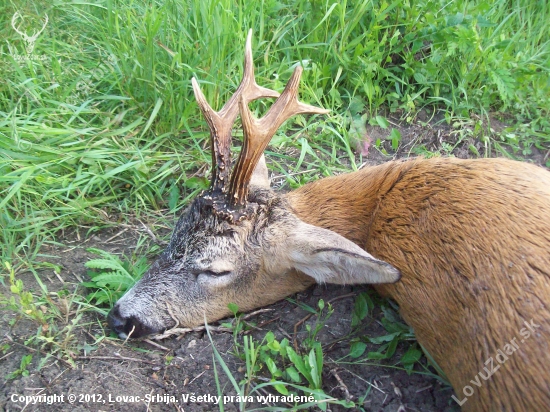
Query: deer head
(29,40)
(240,242)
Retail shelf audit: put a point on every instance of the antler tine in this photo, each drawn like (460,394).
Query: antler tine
(220,123)
(258,133)
(14,18)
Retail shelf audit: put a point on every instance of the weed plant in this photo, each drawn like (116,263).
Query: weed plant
(99,119)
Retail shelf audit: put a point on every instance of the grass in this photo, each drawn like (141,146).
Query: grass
(98,124)
(101,116)
(293,374)
(54,317)
(297,367)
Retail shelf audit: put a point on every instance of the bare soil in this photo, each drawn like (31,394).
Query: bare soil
(107,369)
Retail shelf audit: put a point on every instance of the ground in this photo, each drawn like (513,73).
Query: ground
(107,369)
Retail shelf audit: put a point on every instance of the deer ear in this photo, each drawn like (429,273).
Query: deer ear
(330,258)
(260,176)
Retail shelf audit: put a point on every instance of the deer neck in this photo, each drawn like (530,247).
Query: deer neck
(347,204)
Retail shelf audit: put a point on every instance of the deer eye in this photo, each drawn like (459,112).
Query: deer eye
(214,280)
(209,272)
(212,270)
(214,274)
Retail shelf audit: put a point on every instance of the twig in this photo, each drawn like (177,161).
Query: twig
(181,331)
(150,342)
(116,235)
(341,384)
(50,383)
(425,388)
(363,379)
(177,331)
(347,295)
(260,326)
(59,277)
(149,232)
(197,377)
(116,357)
(257,312)
(148,404)
(284,332)
(130,334)
(77,277)
(6,355)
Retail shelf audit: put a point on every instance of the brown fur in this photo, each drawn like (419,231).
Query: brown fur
(472,241)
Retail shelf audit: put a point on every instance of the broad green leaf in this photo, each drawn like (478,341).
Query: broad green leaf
(386,338)
(382,122)
(298,361)
(293,374)
(357,349)
(271,365)
(315,371)
(392,346)
(279,387)
(412,356)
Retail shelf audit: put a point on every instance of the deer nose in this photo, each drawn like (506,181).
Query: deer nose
(116,321)
(127,326)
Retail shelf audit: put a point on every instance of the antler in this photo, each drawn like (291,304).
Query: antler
(258,133)
(29,40)
(220,123)
(14,18)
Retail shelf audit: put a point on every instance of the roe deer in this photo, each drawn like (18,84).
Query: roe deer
(463,246)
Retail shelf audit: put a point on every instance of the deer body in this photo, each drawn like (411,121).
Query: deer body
(472,241)
(463,246)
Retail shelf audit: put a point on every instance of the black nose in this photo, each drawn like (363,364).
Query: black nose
(127,326)
(116,322)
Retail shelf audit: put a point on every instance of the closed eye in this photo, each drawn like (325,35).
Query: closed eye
(213,274)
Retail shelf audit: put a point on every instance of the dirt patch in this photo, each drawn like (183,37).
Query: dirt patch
(102,373)
(109,371)
(431,135)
